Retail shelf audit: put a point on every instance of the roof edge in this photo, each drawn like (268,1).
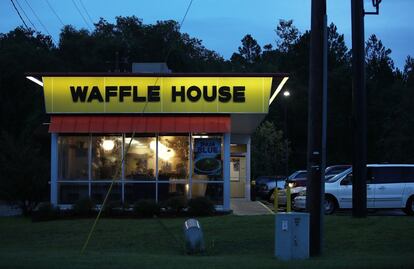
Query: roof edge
(108,74)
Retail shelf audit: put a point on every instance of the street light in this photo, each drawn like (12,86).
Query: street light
(286,94)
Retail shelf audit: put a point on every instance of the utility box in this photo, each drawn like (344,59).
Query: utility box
(292,236)
(194,239)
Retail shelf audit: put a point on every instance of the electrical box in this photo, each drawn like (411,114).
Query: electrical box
(194,239)
(292,236)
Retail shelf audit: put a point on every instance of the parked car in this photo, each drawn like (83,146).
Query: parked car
(296,181)
(296,186)
(388,186)
(333,170)
(265,185)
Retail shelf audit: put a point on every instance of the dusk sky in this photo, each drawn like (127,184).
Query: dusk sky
(221,24)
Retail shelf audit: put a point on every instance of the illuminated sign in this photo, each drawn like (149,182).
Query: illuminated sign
(157,94)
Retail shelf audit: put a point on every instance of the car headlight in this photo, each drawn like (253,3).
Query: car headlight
(291,185)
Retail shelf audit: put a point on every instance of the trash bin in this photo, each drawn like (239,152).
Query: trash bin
(292,236)
(193,235)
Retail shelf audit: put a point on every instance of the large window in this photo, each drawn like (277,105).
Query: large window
(140,158)
(73,158)
(155,167)
(106,157)
(173,157)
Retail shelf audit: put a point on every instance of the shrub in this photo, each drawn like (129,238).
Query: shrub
(146,208)
(113,208)
(200,206)
(83,207)
(176,204)
(45,211)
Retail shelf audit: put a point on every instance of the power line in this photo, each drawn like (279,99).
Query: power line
(54,12)
(27,17)
(18,13)
(80,13)
(171,47)
(185,15)
(86,11)
(38,19)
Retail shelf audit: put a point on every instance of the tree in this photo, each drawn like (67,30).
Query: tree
(249,53)
(24,175)
(268,151)
(288,35)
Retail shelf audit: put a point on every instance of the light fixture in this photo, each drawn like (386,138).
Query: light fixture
(164,152)
(286,93)
(108,145)
(35,80)
(278,89)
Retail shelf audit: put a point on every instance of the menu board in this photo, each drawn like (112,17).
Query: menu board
(207,156)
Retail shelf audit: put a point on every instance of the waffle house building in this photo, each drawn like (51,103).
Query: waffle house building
(157,135)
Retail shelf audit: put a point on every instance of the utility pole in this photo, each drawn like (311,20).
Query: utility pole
(359,108)
(316,154)
(359,112)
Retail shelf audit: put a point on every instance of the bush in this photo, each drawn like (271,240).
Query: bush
(176,204)
(83,207)
(45,211)
(113,208)
(146,208)
(200,206)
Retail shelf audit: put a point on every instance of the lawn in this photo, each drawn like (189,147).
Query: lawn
(232,242)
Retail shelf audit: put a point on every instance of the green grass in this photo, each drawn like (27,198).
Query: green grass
(232,242)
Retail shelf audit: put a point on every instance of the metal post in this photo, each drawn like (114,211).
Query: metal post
(359,117)
(315,154)
(286,141)
(226,172)
(288,200)
(276,199)
(54,169)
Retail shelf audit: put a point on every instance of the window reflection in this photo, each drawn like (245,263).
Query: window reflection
(213,191)
(140,158)
(106,157)
(99,191)
(69,193)
(168,190)
(73,157)
(173,156)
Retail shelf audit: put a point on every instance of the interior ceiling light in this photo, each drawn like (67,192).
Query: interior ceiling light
(108,145)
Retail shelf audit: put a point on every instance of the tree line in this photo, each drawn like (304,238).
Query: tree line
(24,151)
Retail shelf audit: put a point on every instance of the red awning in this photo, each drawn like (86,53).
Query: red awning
(139,124)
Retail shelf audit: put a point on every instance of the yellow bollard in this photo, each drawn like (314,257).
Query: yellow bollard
(288,200)
(276,200)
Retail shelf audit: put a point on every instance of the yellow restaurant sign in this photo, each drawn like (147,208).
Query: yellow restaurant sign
(157,94)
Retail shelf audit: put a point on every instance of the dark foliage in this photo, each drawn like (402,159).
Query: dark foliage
(44,212)
(84,207)
(200,206)
(175,204)
(146,208)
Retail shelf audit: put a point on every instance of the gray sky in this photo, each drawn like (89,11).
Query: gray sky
(221,24)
